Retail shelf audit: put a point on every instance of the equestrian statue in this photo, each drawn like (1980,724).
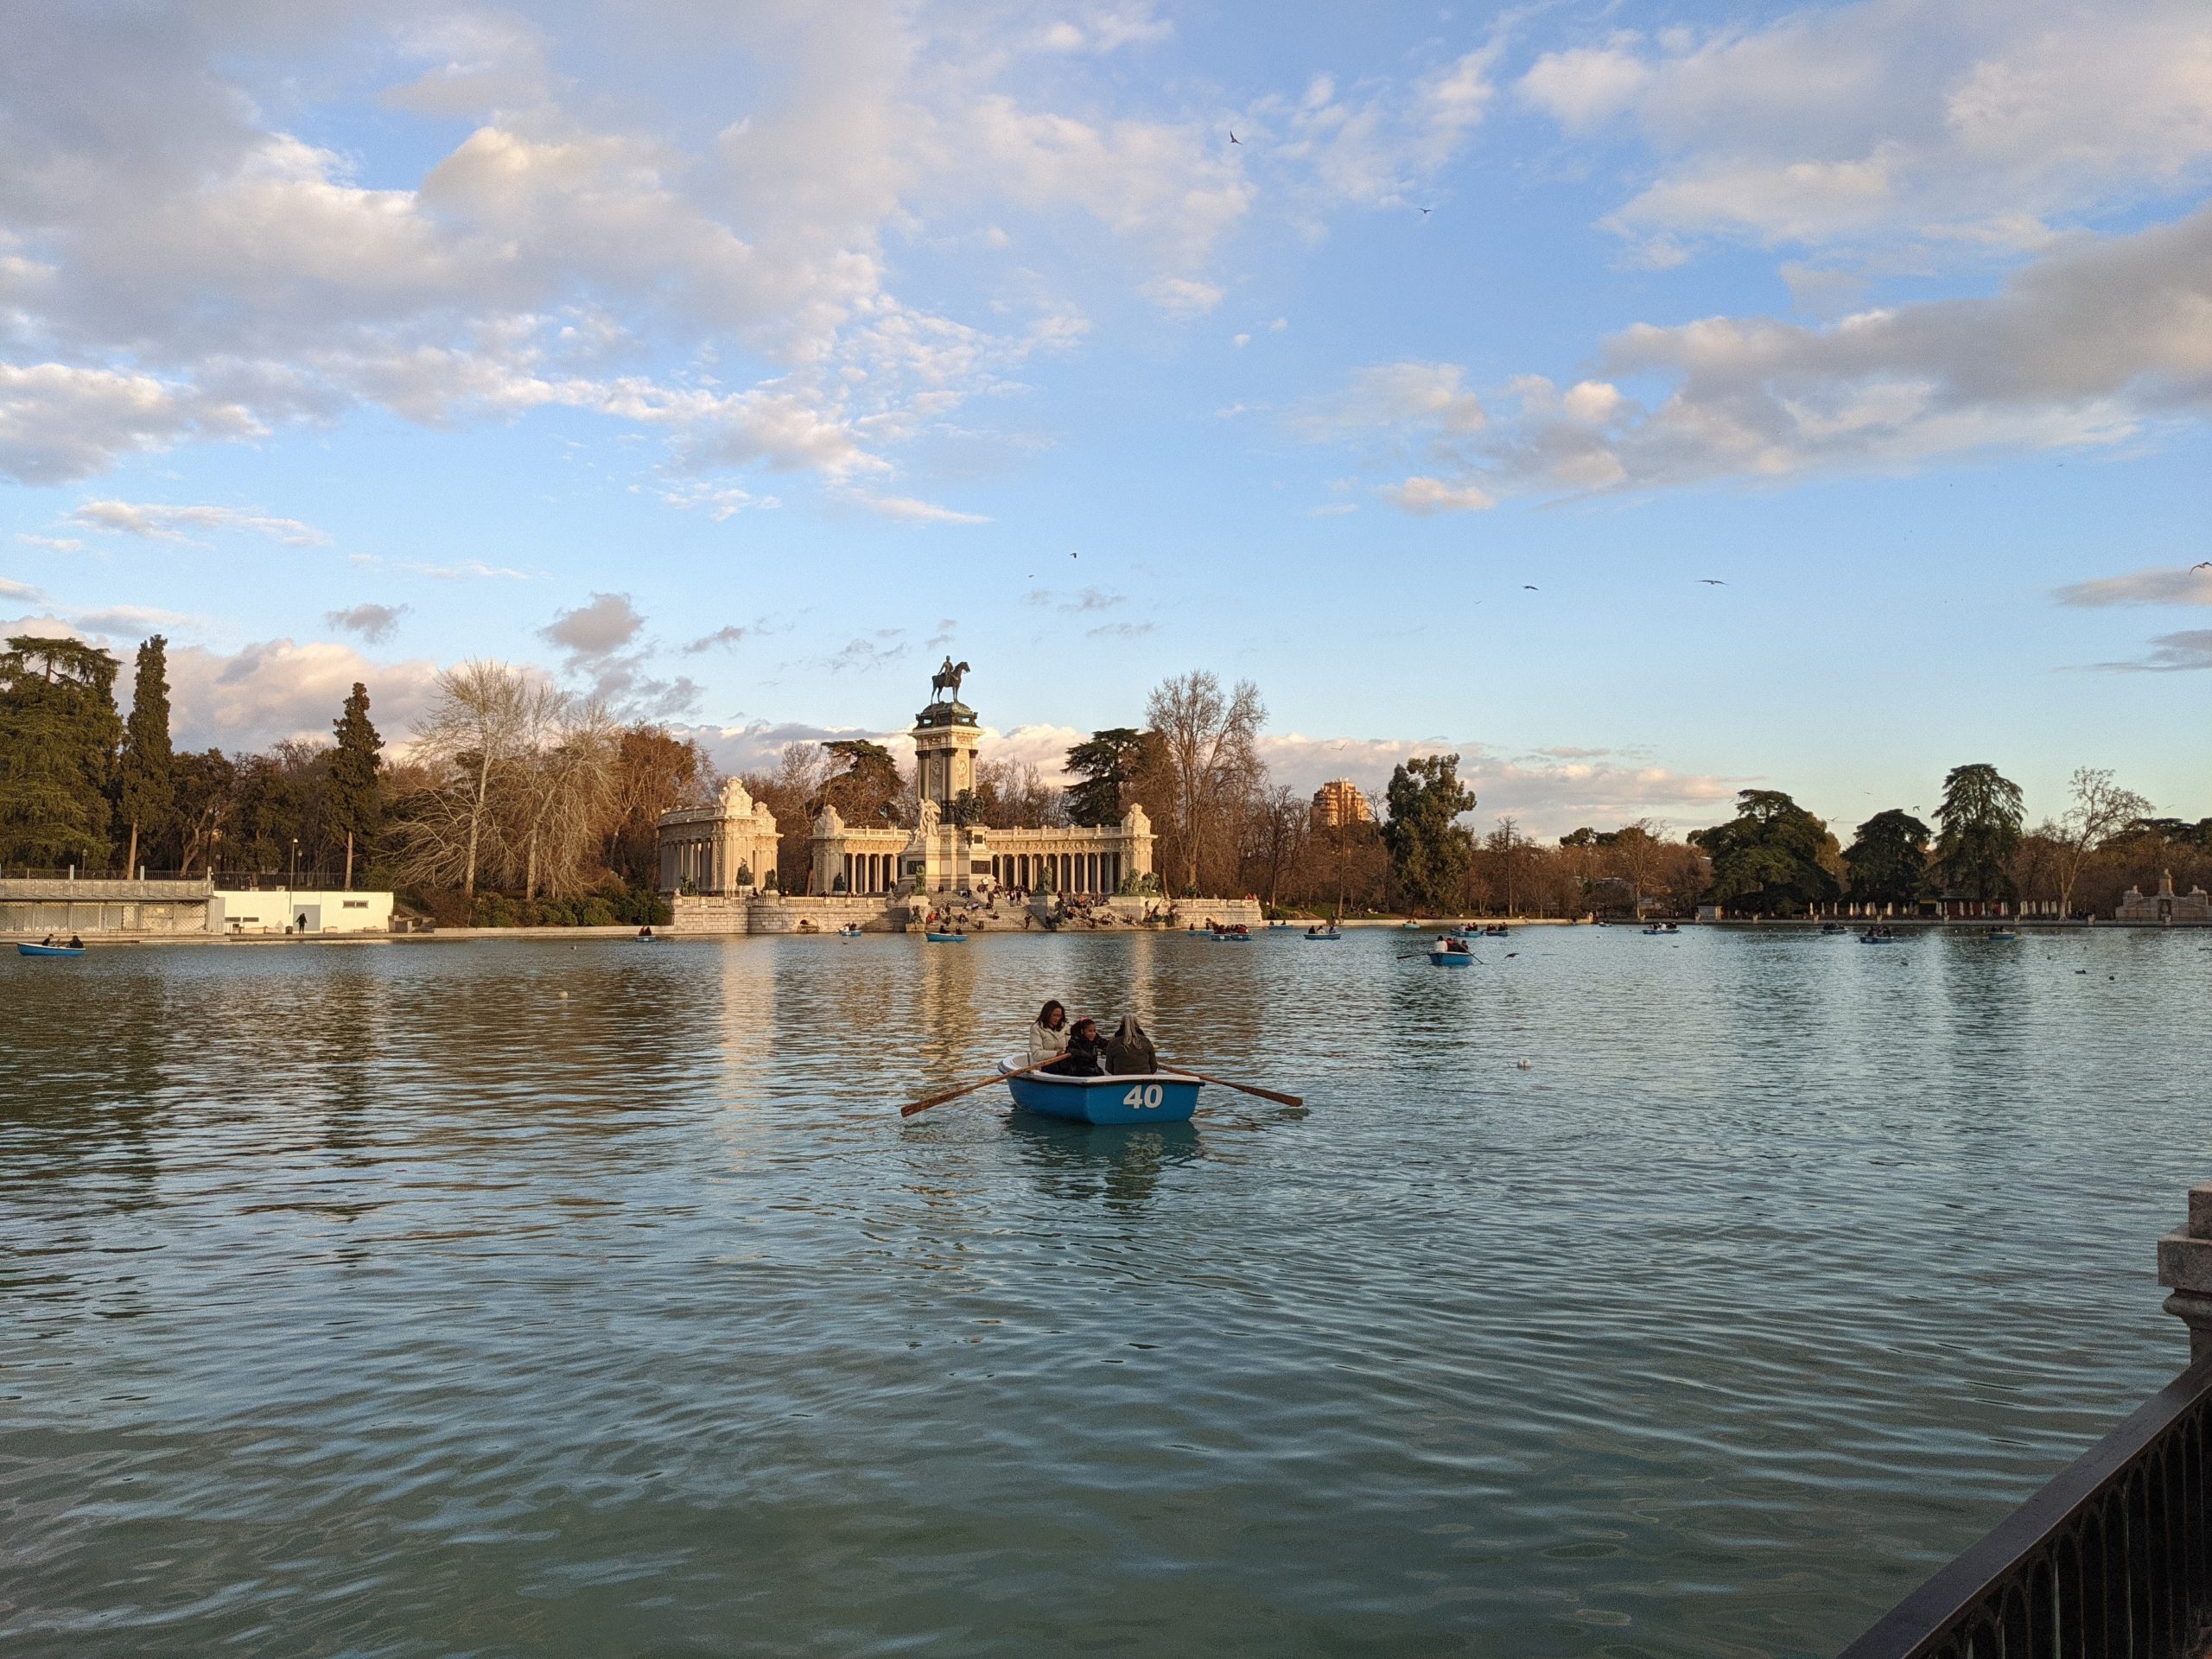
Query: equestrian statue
(945,686)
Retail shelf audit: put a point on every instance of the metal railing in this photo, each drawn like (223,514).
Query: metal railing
(2112,1560)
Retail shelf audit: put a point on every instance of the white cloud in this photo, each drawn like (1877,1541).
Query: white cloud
(250,698)
(130,620)
(2165,585)
(9,589)
(1586,86)
(1372,146)
(908,510)
(1896,121)
(1392,397)
(59,422)
(2090,344)
(1181,296)
(52,544)
(469,570)
(167,524)
(1424,496)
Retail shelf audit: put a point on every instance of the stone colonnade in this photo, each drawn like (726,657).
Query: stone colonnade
(1071,872)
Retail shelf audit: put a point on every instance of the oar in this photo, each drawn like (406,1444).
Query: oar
(1241,1088)
(970,1088)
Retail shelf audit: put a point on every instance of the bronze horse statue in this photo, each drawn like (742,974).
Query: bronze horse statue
(946,679)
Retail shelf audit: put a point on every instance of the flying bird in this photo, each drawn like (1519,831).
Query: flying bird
(2203,565)
(1426,212)
(1712,581)
(1232,137)
(1529,586)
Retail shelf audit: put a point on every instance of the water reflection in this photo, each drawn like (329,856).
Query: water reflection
(1085,1163)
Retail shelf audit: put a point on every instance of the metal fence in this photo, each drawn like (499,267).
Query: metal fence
(2112,1560)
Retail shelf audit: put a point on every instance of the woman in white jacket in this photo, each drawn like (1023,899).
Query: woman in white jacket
(1048,1038)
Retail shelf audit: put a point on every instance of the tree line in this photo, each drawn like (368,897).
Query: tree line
(518,802)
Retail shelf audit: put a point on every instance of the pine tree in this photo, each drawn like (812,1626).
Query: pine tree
(146,797)
(356,801)
(58,737)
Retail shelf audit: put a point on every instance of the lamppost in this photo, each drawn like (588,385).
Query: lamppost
(292,880)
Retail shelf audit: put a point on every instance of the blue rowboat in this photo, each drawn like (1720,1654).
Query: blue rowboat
(1232,938)
(1150,1097)
(1331,934)
(947,938)
(848,932)
(50,950)
(1444,958)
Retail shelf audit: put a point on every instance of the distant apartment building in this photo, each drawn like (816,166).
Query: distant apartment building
(1339,802)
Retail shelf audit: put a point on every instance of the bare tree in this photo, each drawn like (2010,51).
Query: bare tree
(480,715)
(2102,809)
(1207,745)
(561,790)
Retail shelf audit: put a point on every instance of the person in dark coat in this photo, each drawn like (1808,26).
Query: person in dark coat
(1082,1060)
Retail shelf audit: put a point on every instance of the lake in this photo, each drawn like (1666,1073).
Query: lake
(512,1298)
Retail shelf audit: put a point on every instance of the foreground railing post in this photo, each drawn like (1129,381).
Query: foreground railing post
(2185,1269)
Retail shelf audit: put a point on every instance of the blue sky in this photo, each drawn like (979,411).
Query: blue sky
(737,368)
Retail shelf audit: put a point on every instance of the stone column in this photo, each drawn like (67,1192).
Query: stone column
(2185,1269)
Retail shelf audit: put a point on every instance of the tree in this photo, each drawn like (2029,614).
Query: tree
(1109,763)
(1632,855)
(1980,832)
(1509,854)
(203,804)
(2102,809)
(1887,860)
(654,772)
(558,792)
(1772,855)
(479,715)
(355,795)
(866,791)
(1280,829)
(58,737)
(1430,849)
(1206,758)
(145,775)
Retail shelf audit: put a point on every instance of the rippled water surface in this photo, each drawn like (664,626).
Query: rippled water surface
(506,1298)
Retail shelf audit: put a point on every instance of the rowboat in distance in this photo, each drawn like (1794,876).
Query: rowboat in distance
(1324,933)
(1495,930)
(2003,935)
(1878,936)
(50,950)
(1148,1097)
(946,939)
(1452,951)
(850,931)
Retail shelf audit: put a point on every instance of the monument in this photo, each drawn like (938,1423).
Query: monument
(715,860)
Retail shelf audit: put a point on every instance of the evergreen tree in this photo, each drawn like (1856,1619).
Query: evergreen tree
(1980,820)
(355,791)
(58,737)
(1108,764)
(1888,859)
(1430,850)
(1773,855)
(866,791)
(146,781)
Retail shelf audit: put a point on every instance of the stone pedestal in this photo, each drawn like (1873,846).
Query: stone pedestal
(2185,1269)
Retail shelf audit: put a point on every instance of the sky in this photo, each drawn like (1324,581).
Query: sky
(1646,402)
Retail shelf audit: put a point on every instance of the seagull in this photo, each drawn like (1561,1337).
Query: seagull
(1712,581)
(1426,212)
(1232,137)
(1075,556)
(1529,586)
(2203,565)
